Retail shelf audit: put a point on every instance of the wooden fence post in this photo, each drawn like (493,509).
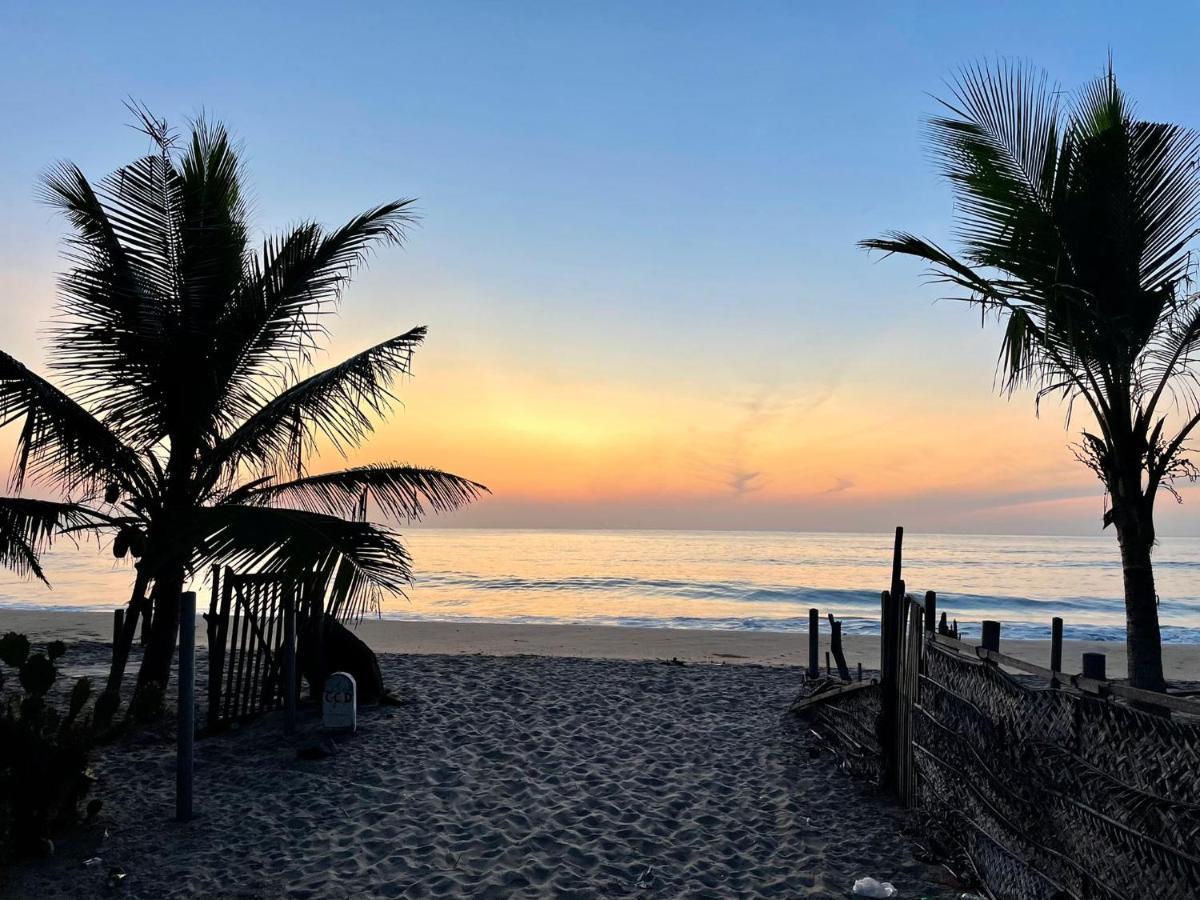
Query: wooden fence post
(991,635)
(1056,644)
(897,568)
(187,707)
(1093,666)
(891,647)
(289,661)
(835,644)
(930,611)
(814,667)
(218,634)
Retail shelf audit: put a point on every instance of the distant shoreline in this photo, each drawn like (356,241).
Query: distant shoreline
(691,645)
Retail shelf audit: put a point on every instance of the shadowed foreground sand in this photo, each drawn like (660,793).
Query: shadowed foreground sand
(516,776)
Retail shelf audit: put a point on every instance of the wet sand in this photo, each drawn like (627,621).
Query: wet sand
(1181,661)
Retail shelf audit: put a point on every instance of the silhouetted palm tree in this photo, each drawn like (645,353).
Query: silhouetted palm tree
(182,428)
(1075,220)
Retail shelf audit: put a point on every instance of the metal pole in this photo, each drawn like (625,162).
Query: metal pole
(187,707)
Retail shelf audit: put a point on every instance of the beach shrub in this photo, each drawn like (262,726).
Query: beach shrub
(43,752)
(14,648)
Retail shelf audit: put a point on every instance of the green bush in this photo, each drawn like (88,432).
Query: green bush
(43,754)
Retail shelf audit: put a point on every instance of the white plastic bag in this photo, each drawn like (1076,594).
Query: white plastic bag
(869,887)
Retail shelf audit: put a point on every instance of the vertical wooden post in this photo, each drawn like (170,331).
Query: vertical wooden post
(814,666)
(891,647)
(289,660)
(860,671)
(991,635)
(1056,644)
(118,626)
(210,622)
(187,706)
(1093,666)
(218,630)
(897,553)
(930,611)
(835,644)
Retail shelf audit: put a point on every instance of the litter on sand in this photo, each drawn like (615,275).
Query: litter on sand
(869,887)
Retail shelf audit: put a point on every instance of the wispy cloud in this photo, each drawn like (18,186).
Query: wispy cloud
(744,482)
(842,484)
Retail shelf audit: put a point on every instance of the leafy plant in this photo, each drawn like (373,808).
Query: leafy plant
(43,754)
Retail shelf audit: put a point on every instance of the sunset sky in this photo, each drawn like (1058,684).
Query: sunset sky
(636,256)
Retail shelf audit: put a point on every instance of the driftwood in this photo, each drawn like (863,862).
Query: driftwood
(835,644)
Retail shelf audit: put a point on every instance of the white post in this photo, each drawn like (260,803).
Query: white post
(187,706)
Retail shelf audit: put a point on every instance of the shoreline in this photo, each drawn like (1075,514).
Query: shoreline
(1181,662)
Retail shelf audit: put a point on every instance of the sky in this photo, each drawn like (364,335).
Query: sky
(636,255)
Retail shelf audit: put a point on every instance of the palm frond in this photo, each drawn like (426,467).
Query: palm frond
(114,302)
(336,404)
(213,234)
(356,561)
(61,443)
(1170,358)
(28,527)
(1000,149)
(402,492)
(276,318)
(1075,229)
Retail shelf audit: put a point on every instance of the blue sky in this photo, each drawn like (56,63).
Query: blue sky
(626,206)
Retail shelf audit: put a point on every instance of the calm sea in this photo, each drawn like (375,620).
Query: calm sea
(760,581)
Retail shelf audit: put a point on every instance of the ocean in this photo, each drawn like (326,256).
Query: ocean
(738,580)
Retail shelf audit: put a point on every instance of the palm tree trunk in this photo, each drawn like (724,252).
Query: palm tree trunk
(147,623)
(1142,636)
(137,605)
(160,650)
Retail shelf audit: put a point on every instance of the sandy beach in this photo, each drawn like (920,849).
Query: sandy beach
(527,761)
(503,775)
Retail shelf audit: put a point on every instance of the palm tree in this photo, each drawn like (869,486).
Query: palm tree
(1075,220)
(182,427)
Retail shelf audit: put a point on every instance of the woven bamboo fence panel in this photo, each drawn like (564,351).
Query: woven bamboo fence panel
(851,722)
(1055,793)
